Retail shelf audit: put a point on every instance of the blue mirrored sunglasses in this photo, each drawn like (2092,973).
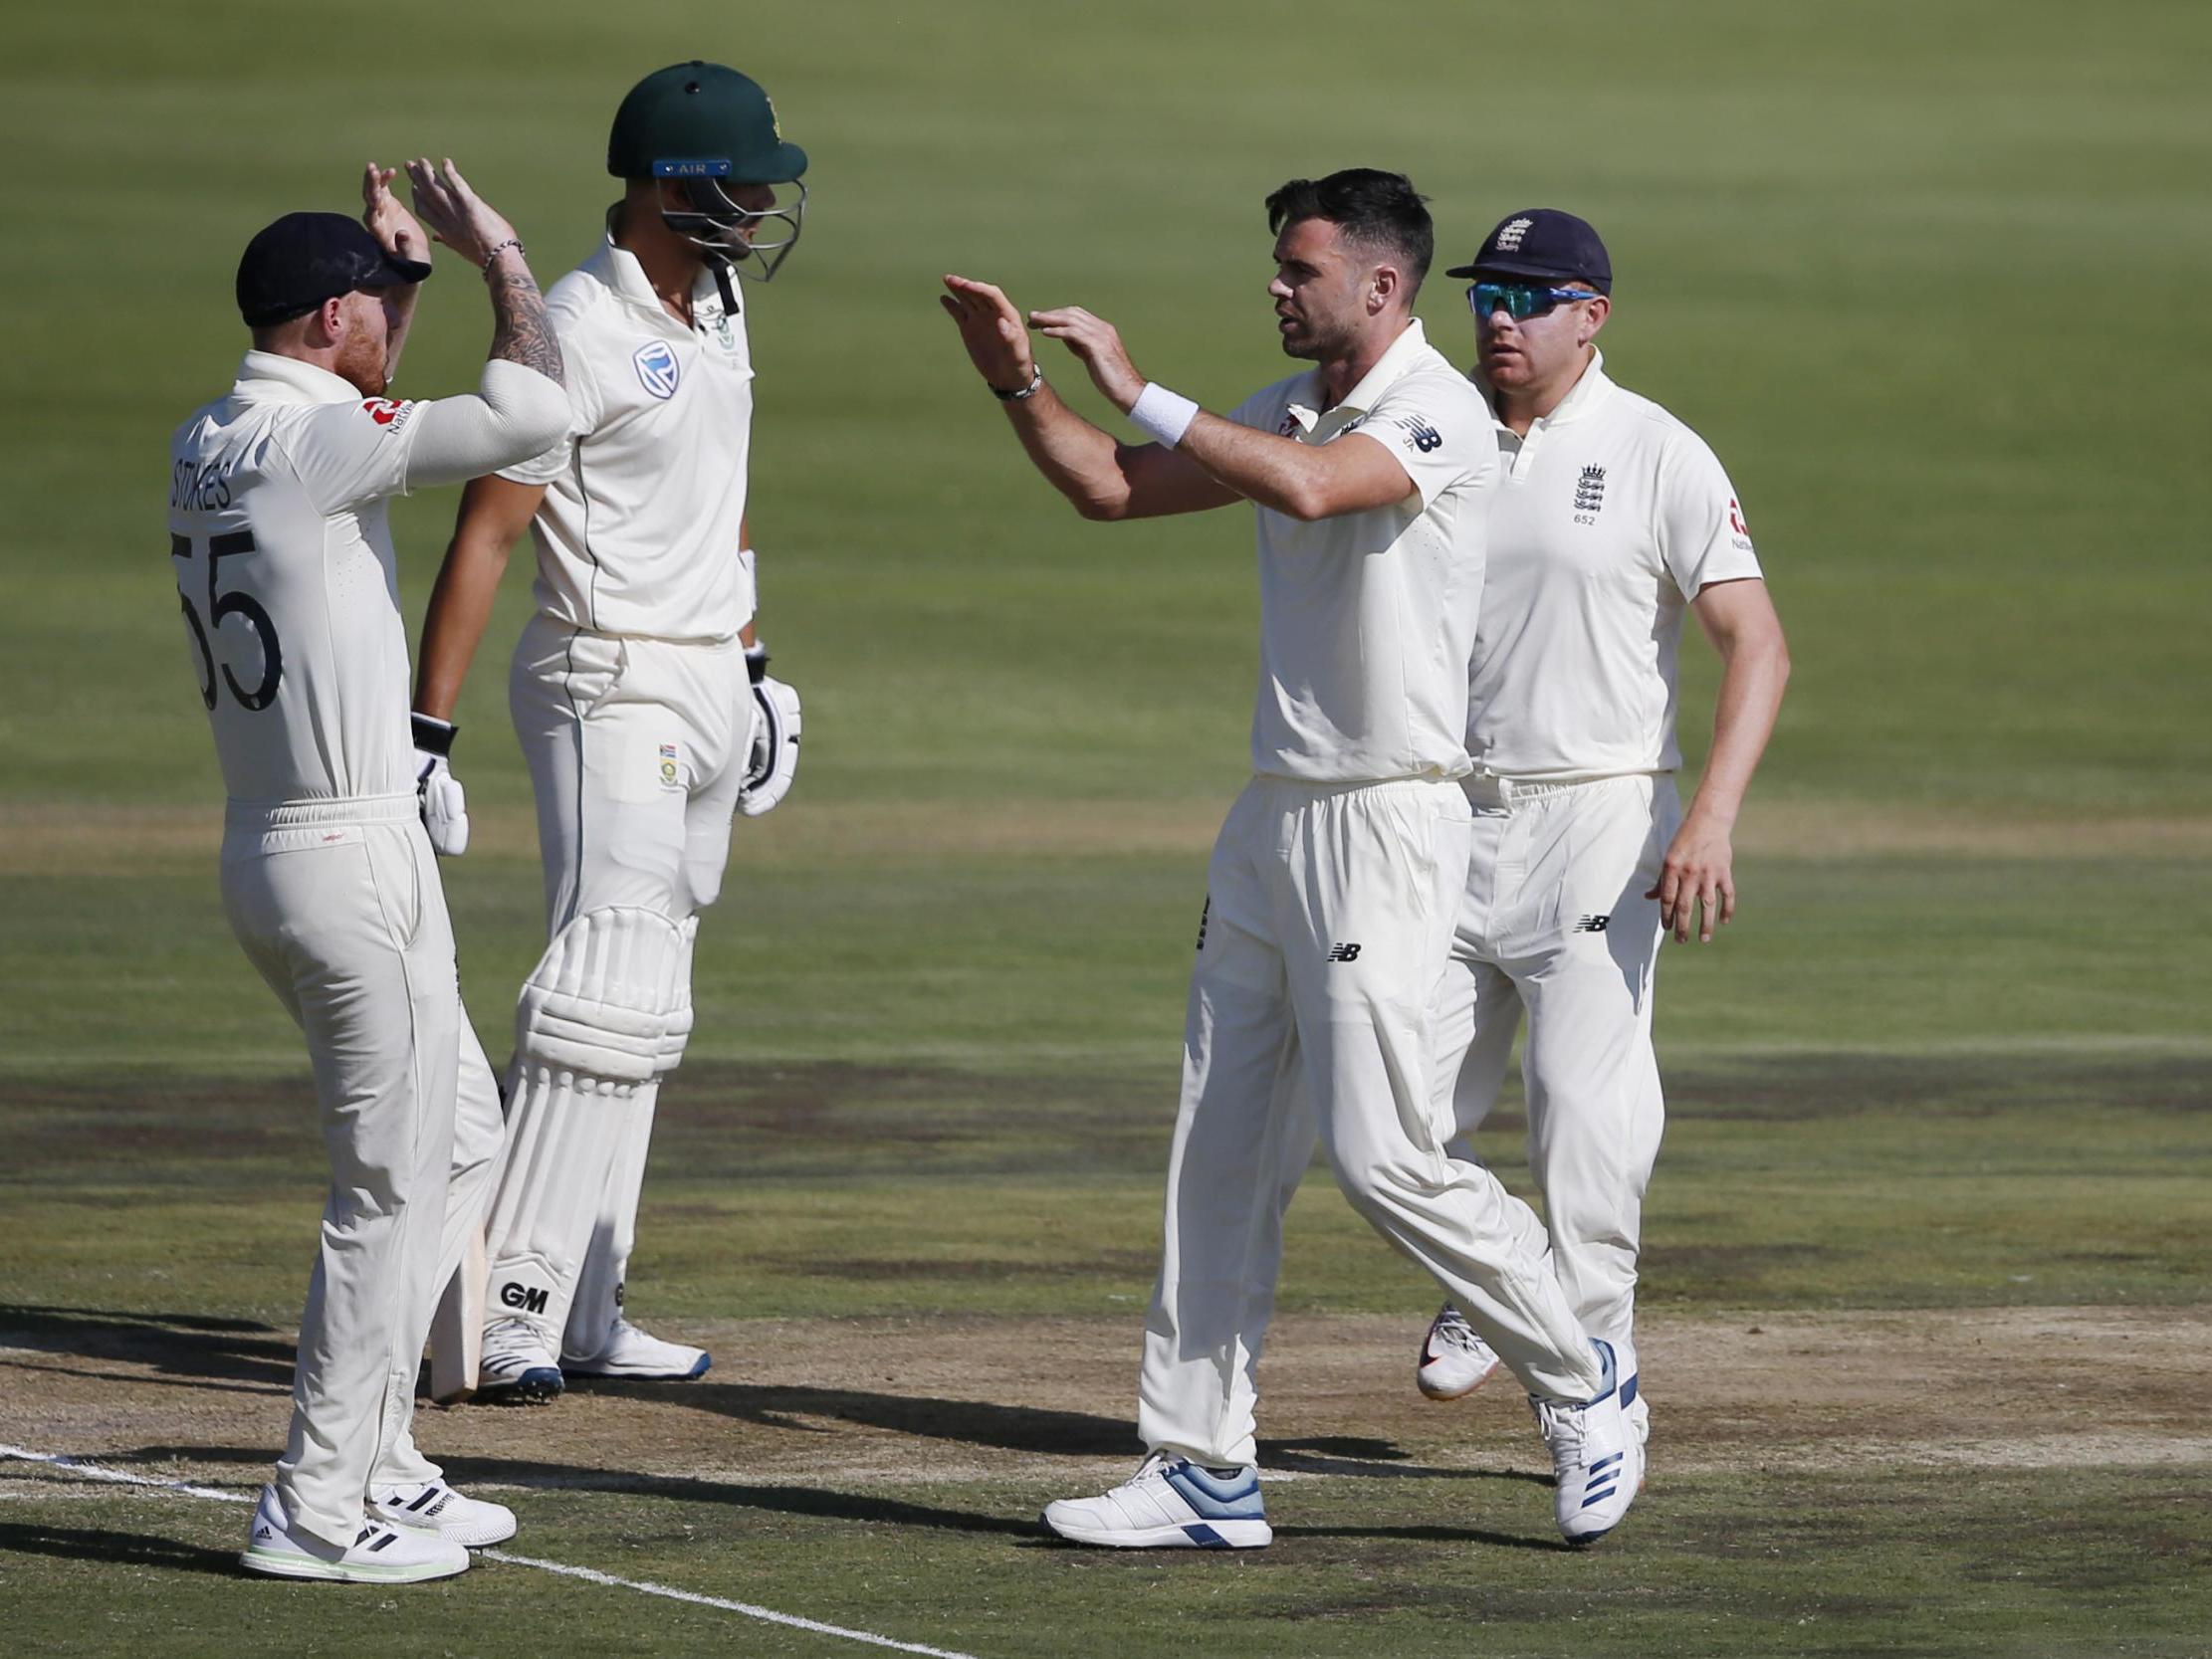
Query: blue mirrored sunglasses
(1520,301)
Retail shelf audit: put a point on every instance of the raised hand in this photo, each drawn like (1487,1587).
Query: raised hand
(392,225)
(997,344)
(1098,343)
(456,214)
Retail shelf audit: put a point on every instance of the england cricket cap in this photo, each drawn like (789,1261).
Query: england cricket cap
(303,259)
(701,120)
(1546,243)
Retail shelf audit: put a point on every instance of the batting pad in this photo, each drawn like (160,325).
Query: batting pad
(603,998)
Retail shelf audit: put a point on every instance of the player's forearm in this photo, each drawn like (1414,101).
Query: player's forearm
(1076,458)
(1755,669)
(521,332)
(460,610)
(1272,472)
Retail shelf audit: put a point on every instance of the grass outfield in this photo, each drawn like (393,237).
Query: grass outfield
(1925,1302)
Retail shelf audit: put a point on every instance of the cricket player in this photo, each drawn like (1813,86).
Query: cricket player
(640,695)
(1334,882)
(283,559)
(1612,520)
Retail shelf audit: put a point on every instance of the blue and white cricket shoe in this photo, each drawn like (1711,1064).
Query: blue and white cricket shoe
(1171,1503)
(1596,1457)
(517,1368)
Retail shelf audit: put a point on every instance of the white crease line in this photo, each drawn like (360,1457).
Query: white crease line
(768,1615)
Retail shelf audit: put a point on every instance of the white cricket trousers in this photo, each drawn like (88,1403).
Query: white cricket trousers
(338,906)
(1328,920)
(636,750)
(1554,921)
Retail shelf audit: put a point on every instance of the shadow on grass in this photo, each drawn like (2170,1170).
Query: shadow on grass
(188,1346)
(83,1543)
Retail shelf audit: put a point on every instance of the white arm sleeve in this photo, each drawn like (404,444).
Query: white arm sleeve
(517,413)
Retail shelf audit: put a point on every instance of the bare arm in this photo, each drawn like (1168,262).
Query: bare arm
(1103,478)
(494,513)
(396,230)
(472,228)
(1698,871)
(1306,481)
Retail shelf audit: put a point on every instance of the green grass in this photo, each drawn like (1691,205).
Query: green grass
(1925,277)
(1755,1566)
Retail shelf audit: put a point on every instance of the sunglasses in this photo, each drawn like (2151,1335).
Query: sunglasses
(1520,301)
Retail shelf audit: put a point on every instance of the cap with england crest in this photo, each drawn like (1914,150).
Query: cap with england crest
(294,265)
(1546,243)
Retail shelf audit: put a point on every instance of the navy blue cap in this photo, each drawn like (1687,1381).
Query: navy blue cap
(1542,242)
(292,265)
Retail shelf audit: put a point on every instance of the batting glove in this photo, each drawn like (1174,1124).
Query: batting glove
(774,760)
(444,803)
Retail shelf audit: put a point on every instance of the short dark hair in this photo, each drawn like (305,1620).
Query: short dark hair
(1382,210)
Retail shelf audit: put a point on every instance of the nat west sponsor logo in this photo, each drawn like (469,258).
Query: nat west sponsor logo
(386,413)
(523,1298)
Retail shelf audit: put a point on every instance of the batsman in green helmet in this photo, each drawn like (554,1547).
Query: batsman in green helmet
(641,697)
(707,136)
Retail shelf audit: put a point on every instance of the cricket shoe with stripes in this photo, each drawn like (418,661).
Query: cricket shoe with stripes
(518,1367)
(640,1356)
(1171,1503)
(435,1506)
(381,1554)
(1596,1458)
(1454,1362)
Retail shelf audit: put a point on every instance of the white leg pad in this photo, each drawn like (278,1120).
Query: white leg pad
(598,1295)
(591,1026)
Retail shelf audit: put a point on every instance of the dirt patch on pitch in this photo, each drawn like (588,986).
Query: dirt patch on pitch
(37,838)
(892,1402)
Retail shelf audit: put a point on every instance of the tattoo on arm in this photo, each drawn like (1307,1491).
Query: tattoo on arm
(523,335)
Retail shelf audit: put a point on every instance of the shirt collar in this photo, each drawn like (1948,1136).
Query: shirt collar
(617,267)
(273,377)
(1590,389)
(1306,396)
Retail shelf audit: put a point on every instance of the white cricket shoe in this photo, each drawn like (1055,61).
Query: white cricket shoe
(1596,1458)
(1454,1362)
(379,1555)
(1171,1503)
(518,1367)
(640,1356)
(435,1506)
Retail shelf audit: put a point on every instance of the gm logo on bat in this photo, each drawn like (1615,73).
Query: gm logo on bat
(656,368)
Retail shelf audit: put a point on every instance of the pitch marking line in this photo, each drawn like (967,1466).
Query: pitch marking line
(766,1615)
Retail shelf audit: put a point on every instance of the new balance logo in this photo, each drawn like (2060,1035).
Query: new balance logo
(1592,925)
(1426,438)
(522,1297)
(1344,953)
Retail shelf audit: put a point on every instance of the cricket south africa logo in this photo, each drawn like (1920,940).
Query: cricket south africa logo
(1590,489)
(657,370)
(1510,233)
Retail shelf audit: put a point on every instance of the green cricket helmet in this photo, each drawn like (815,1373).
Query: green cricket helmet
(709,127)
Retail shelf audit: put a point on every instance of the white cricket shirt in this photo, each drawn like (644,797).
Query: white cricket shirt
(1366,620)
(283,563)
(1611,517)
(639,531)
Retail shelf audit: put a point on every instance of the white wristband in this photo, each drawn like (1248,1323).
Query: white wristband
(1162,415)
(749,584)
